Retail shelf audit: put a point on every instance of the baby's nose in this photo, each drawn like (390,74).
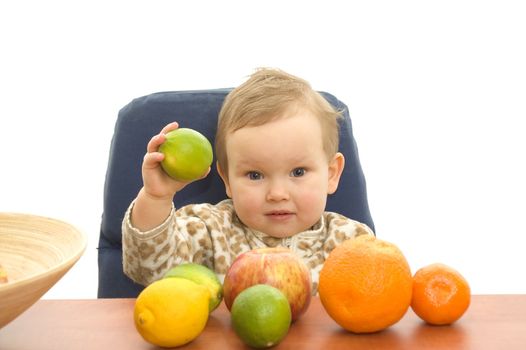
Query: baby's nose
(277,192)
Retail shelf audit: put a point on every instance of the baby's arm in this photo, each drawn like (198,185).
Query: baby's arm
(154,201)
(182,237)
(151,242)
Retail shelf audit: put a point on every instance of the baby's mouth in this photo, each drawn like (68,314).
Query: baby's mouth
(280,214)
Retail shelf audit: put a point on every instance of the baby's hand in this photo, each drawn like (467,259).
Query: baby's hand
(156,182)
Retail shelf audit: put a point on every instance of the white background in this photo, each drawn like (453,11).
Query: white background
(436,91)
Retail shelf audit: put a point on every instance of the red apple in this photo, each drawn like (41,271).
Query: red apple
(278,267)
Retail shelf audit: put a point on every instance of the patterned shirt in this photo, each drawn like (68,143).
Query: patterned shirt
(213,235)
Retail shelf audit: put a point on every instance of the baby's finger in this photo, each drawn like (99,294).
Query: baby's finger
(170,127)
(152,160)
(155,142)
(158,139)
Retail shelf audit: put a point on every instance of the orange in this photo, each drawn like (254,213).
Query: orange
(366,284)
(441,294)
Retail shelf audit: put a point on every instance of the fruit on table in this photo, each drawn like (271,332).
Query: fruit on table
(278,267)
(187,154)
(441,295)
(202,275)
(365,284)
(171,312)
(261,316)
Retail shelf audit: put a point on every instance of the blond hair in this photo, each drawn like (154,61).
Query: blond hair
(270,94)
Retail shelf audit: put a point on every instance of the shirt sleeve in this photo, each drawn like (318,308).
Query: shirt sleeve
(182,237)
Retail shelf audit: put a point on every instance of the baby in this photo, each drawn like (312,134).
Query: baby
(277,154)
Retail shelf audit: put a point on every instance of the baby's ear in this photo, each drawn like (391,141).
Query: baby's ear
(225,180)
(336,166)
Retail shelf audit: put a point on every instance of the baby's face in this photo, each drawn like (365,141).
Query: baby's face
(279,176)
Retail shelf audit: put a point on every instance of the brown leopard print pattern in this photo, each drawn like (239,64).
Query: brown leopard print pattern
(213,235)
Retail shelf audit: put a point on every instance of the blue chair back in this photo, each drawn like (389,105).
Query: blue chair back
(145,116)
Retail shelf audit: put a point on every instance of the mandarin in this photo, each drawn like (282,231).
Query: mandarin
(441,294)
(365,284)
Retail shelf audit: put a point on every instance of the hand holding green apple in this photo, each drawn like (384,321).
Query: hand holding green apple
(187,154)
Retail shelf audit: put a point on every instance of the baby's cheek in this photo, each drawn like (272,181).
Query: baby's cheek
(312,203)
(246,208)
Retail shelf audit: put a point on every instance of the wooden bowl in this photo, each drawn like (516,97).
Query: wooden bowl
(35,252)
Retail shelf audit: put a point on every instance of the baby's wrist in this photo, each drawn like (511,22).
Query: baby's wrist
(155,198)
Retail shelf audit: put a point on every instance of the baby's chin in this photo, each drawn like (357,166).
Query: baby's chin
(280,234)
(280,226)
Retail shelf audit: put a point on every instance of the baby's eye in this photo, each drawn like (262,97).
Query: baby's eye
(254,175)
(297,172)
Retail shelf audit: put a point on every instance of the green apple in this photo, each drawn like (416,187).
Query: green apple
(187,154)
(202,275)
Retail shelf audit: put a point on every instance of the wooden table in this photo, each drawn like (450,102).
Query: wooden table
(491,322)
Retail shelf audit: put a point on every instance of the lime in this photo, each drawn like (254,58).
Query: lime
(171,312)
(187,154)
(202,275)
(261,316)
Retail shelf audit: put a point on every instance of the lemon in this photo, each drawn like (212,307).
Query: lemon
(261,316)
(202,275)
(171,312)
(187,154)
